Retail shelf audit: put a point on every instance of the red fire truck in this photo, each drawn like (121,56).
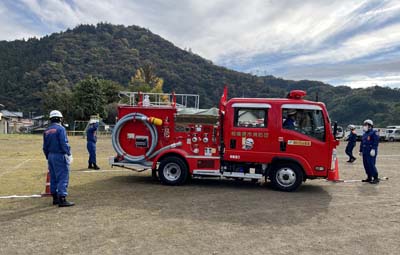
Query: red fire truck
(245,138)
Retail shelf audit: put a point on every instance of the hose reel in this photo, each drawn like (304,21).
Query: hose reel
(150,123)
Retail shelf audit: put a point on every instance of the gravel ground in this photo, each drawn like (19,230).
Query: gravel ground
(123,212)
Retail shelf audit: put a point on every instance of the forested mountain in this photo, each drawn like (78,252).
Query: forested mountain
(115,52)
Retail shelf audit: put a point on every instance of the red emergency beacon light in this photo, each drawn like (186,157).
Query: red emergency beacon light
(297,94)
(283,140)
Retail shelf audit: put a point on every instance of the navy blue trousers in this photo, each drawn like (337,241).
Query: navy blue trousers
(91,147)
(369,165)
(349,151)
(59,174)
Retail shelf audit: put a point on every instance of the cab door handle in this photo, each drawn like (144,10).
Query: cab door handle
(282,145)
(233,144)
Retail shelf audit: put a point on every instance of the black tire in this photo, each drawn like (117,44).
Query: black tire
(391,139)
(173,171)
(286,176)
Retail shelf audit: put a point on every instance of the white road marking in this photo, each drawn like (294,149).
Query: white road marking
(99,171)
(20,164)
(15,167)
(18,196)
(351,181)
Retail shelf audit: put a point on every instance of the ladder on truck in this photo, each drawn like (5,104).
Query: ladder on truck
(160,99)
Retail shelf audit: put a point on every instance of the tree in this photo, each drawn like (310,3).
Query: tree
(57,96)
(145,80)
(110,90)
(89,98)
(111,112)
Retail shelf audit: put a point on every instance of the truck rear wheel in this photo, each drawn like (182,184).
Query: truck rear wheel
(286,176)
(173,171)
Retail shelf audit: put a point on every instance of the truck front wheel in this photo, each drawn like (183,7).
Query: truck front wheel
(173,171)
(286,176)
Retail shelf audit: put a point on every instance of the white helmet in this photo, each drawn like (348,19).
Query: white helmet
(55,114)
(352,127)
(369,122)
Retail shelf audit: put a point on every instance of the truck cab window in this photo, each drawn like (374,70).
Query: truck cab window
(250,118)
(305,121)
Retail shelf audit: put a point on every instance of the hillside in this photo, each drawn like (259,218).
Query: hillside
(115,52)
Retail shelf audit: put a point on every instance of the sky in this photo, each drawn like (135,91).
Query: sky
(340,42)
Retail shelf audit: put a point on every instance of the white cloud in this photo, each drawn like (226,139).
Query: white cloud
(11,27)
(363,81)
(356,47)
(286,35)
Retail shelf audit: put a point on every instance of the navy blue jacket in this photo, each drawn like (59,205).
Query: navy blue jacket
(369,141)
(55,140)
(288,123)
(91,135)
(352,139)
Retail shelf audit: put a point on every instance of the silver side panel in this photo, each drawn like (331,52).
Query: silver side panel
(242,175)
(203,157)
(207,172)
(139,167)
(226,174)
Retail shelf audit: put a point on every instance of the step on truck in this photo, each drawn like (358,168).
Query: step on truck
(243,139)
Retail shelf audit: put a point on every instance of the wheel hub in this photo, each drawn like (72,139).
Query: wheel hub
(172,171)
(286,177)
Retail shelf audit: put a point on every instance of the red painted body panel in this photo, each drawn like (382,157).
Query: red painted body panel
(201,142)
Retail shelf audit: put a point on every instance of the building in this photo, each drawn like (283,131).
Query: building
(3,124)
(13,122)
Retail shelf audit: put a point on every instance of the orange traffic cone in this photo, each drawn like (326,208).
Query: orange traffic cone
(47,192)
(333,175)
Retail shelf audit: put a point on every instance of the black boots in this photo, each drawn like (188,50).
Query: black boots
(351,160)
(55,199)
(62,202)
(93,166)
(375,180)
(372,181)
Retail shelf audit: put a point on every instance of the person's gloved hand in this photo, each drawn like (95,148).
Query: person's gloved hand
(69,159)
(372,153)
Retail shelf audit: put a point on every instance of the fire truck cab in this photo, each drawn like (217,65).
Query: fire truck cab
(285,140)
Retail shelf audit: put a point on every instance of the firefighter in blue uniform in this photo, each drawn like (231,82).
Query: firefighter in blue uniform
(369,151)
(91,137)
(289,123)
(352,140)
(59,157)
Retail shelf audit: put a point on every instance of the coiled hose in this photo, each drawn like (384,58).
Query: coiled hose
(117,129)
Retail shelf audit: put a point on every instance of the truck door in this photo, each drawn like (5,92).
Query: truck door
(304,133)
(246,132)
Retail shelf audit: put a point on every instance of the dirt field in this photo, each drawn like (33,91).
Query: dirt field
(123,212)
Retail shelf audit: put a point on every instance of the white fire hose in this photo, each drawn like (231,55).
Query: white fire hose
(116,132)
(150,123)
